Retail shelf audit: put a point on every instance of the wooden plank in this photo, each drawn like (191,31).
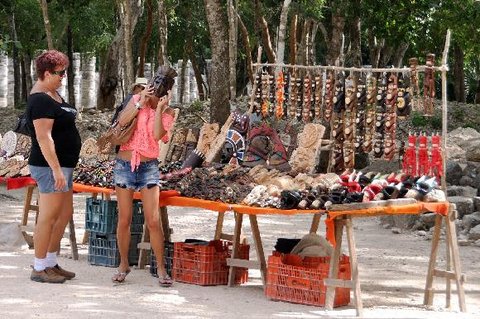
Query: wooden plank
(340,283)
(452,241)
(448,274)
(73,238)
(259,248)
(165,224)
(219,226)
(428,294)
(243,263)
(144,245)
(164,147)
(142,257)
(334,261)
(315,223)
(236,242)
(380,203)
(26,210)
(354,267)
(448,288)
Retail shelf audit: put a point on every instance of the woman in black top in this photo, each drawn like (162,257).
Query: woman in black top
(54,154)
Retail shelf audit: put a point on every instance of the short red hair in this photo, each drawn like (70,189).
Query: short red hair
(49,60)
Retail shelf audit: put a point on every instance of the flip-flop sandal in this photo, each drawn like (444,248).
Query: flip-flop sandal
(120,276)
(165,281)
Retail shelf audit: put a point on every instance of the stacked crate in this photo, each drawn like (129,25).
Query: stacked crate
(101,218)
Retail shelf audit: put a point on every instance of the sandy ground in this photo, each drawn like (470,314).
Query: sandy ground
(392,272)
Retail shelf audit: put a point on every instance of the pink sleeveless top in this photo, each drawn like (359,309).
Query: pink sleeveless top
(142,141)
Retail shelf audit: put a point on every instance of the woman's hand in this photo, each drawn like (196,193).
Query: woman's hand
(59,177)
(164,100)
(147,92)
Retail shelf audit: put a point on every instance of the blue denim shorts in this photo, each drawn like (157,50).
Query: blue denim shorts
(43,175)
(145,175)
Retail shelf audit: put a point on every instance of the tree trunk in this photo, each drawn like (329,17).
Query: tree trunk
(248,49)
(70,75)
(335,45)
(265,33)
(477,93)
(110,92)
(220,107)
(16,64)
(282,28)
(163,35)
(293,40)
(129,13)
(302,48)
(458,74)
(311,53)
(27,76)
(355,56)
(400,54)
(375,47)
(145,38)
(46,22)
(232,50)
(386,55)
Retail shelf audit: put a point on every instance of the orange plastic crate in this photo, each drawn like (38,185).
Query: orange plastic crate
(293,279)
(207,265)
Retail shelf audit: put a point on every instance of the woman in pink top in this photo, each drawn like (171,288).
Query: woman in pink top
(136,169)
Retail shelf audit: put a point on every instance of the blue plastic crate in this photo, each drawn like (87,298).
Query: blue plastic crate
(101,216)
(168,258)
(103,250)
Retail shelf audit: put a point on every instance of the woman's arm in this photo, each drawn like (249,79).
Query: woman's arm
(43,131)
(158,129)
(134,105)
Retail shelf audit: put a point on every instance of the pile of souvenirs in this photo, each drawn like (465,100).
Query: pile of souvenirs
(14,152)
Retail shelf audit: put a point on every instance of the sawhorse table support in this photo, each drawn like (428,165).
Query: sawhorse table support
(28,207)
(345,221)
(235,262)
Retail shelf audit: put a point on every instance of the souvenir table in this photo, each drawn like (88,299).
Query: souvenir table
(340,218)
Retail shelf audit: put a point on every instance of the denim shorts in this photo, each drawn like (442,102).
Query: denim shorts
(43,175)
(145,175)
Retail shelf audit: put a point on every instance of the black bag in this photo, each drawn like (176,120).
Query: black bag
(22,125)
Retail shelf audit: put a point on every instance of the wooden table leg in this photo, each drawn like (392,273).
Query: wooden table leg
(334,261)
(457,271)
(428,294)
(332,282)
(315,223)
(219,226)
(73,238)
(259,248)
(354,267)
(235,249)
(27,207)
(167,231)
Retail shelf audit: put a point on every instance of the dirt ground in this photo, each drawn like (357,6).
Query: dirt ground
(392,273)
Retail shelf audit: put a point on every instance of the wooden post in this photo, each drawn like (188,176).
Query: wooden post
(236,243)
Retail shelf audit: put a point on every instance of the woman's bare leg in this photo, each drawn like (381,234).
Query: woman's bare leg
(124,201)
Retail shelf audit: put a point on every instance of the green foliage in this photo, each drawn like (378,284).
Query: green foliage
(418,120)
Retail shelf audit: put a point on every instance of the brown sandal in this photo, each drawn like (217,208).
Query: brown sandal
(165,281)
(120,276)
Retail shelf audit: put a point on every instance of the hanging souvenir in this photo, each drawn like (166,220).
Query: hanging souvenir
(370,113)
(299,105)
(392,93)
(329,94)
(318,96)
(307,95)
(293,95)
(436,162)
(272,95)
(339,95)
(410,156)
(360,115)
(429,85)
(265,94)
(280,98)
(414,86)
(258,93)
(404,103)
(423,161)
(286,92)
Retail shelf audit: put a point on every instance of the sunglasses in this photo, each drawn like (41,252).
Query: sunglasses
(60,73)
